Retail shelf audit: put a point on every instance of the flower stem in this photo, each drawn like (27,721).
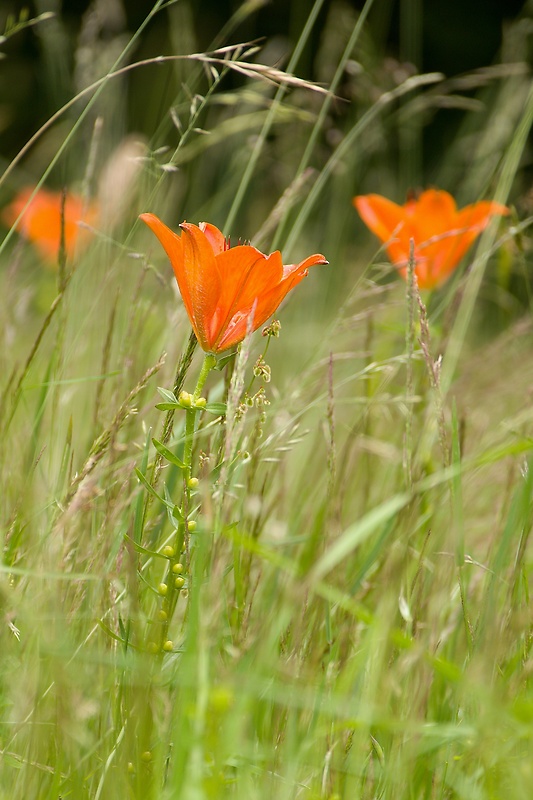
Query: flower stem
(207,366)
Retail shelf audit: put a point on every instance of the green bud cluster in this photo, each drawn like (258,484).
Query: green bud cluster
(262,370)
(273,329)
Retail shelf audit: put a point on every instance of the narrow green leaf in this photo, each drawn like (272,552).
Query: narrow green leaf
(357,533)
(168,454)
(221,363)
(216,408)
(167,395)
(140,549)
(147,485)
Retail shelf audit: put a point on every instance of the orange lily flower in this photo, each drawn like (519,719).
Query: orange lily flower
(223,287)
(41,221)
(441,233)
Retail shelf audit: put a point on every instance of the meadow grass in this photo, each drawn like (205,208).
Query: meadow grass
(354,619)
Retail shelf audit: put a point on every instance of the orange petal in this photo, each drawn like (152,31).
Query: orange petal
(245,273)
(41,220)
(173,247)
(388,221)
(202,277)
(433,213)
(311,261)
(262,308)
(468,224)
(265,304)
(215,237)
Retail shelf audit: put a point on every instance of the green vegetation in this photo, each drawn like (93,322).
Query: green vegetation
(328,595)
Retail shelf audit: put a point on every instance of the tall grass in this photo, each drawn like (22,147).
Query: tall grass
(355,619)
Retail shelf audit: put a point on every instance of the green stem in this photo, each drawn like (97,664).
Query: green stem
(207,366)
(172,592)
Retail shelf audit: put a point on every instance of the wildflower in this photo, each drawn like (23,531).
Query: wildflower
(441,233)
(223,287)
(41,221)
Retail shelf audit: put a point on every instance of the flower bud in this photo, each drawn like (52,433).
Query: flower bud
(191,525)
(168,551)
(162,589)
(177,569)
(192,483)
(201,402)
(179,582)
(168,646)
(185,399)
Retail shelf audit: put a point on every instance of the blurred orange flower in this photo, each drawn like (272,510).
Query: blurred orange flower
(221,286)
(441,233)
(41,221)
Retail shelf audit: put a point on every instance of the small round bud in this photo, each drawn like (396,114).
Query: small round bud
(192,483)
(179,582)
(185,399)
(131,768)
(273,329)
(168,551)
(162,615)
(152,648)
(177,569)
(168,646)
(201,402)
(191,525)
(146,756)
(162,589)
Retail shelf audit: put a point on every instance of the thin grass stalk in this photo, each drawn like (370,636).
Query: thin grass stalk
(386,99)
(267,125)
(464,315)
(322,115)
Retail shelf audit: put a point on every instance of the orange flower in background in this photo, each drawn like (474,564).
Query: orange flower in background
(221,286)
(41,221)
(441,233)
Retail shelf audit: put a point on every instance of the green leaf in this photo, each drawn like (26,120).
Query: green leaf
(221,363)
(140,549)
(216,408)
(168,406)
(167,395)
(110,633)
(358,533)
(168,454)
(148,486)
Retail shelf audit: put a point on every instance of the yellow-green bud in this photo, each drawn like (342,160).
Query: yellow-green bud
(162,615)
(185,399)
(169,551)
(201,402)
(162,589)
(131,768)
(192,483)
(146,756)
(177,569)
(168,647)
(179,582)
(191,525)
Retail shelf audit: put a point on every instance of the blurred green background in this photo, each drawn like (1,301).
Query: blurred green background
(452,134)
